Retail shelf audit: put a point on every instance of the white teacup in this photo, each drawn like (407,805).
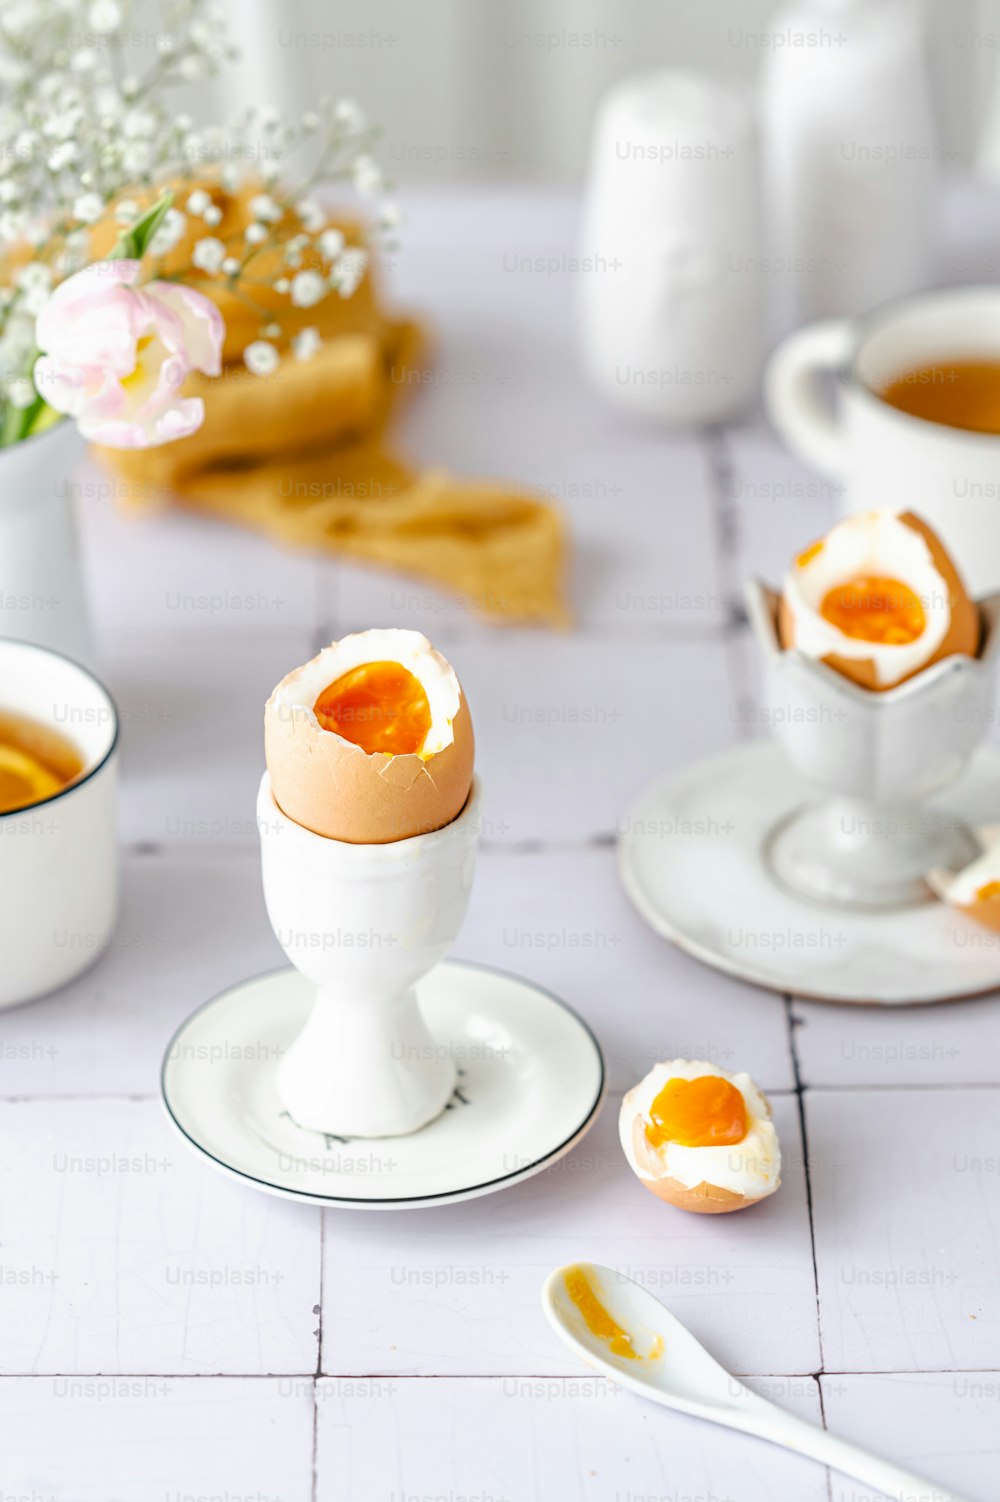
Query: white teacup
(885,457)
(58,858)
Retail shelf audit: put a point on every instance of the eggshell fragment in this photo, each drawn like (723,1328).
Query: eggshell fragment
(961,890)
(336,788)
(702,1199)
(962,636)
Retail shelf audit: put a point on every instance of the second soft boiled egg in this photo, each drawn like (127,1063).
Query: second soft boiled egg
(371,741)
(878,600)
(700,1138)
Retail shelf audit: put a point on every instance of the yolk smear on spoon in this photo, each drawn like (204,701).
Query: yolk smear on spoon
(874,608)
(988,892)
(597,1319)
(379,706)
(705,1112)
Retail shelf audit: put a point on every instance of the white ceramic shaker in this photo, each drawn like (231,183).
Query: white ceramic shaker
(671,284)
(849,156)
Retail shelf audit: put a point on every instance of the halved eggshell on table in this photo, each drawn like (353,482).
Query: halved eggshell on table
(699,1138)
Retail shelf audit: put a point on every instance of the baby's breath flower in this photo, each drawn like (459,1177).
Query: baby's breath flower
(199,201)
(105,16)
(212,215)
(61,157)
(306,344)
(261,358)
(126,211)
(367,176)
(209,254)
(35,274)
(137,157)
(140,123)
(282,285)
(255,234)
(347,114)
(347,275)
(169,234)
(34,300)
(231,266)
(308,288)
(331,243)
(263,207)
(311,213)
(88,208)
(20,392)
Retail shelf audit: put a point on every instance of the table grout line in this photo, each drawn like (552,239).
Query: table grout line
(519,1376)
(318,1372)
(364,1375)
(800,1094)
(782,1092)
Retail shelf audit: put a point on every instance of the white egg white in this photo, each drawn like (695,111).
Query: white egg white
(869,543)
(299,691)
(751,1167)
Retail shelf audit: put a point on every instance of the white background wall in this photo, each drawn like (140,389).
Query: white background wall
(468,89)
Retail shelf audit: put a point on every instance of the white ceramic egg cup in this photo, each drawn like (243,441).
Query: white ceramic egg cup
(364,923)
(375,1073)
(866,833)
(801,863)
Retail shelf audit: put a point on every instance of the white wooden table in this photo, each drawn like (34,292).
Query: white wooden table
(167,1333)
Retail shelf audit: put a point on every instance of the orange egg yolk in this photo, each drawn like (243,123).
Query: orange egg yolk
(597,1319)
(988,892)
(379,706)
(706,1112)
(874,608)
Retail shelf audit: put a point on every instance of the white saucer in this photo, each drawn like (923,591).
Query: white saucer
(690,855)
(531,1083)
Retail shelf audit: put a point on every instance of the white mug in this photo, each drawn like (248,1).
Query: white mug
(884,457)
(59,857)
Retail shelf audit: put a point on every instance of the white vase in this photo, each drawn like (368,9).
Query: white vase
(851,164)
(41,583)
(671,308)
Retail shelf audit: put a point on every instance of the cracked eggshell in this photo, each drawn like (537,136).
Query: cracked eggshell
(337,789)
(897,544)
(975,890)
(689,1177)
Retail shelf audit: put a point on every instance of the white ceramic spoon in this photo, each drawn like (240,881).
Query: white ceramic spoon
(687,1378)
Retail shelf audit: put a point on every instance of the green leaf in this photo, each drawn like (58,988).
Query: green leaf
(134,241)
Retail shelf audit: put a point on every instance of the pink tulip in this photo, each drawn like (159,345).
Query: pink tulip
(115,356)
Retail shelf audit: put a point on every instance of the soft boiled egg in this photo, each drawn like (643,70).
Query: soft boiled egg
(700,1138)
(975,890)
(371,741)
(878,600)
